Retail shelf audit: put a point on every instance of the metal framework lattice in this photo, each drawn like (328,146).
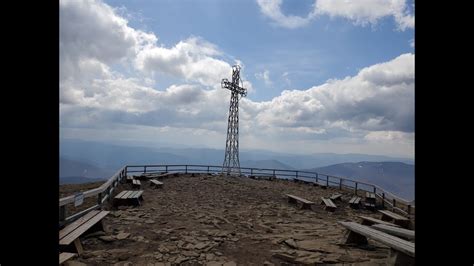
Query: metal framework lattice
(231,164)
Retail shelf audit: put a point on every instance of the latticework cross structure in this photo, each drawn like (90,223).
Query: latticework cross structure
(231,164)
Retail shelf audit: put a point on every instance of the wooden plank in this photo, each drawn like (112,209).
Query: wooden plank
(68,239)
(370,195)
(369,221)
(138,194)
(396,231)
(300,199)
(71,227)
(336,196)
(384,238)
(393,215)
(119,195)
(127,194)
(64,256)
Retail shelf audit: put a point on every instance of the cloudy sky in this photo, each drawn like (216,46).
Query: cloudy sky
(322,75)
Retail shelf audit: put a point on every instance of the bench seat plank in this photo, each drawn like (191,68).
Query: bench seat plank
(64,256)
(393,215)
(299,199)
(72,226)
(370,221)
(384,238)
(68,239)
(119,195)
(396,231)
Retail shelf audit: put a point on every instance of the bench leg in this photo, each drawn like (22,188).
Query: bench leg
(386,218)
(78,246)
(400,258)
(355,238)
(331,209)
(305,206)
(291,200)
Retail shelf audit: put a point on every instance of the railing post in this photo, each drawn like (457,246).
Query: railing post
(355,189)
(251,171)
(144,169)
(327,181)
(316,178)
(274,173)
(166,168)
(62,213)
(383,199)
(409,209)
(340,183)
(296,175)
(186,169)
(393,203)
(99,199)
(208,169)
(375,190)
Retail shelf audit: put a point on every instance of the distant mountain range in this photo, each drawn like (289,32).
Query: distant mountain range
(270,164)
(395,177)
(83,160)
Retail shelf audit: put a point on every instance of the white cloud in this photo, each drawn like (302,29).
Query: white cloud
(265,76)
(361,12)
(190,59)
(272,9)
(95,96)
(379,97)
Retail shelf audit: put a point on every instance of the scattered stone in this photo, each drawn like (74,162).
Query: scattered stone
(173,238)
(163,249)
(107,238)
(291,243)
(267,263)
(214,263)
(284,257)
(181,259)
(74,263)
(190,254)
(218,253)
(210,256)
(230,263)
(149,221)
(95,234)
(123,263)
(121,236)
(200,245)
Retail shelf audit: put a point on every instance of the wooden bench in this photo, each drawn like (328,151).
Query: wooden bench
(305,204)
(136,183)
(402,252)
(396,218)
(130,179)
(70,234)
(128,197)
(370,221)
(336,197)
(396,231)
(156,184)
(355,202)
(330,206)
(65,256)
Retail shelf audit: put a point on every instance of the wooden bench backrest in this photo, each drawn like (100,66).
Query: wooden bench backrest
(397,231)
(389,240)
(393,215)
(377,221)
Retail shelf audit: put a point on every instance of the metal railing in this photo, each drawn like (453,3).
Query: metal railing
(104,192)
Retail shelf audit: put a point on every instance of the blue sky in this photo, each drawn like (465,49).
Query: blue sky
(323,76)
(325,49)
